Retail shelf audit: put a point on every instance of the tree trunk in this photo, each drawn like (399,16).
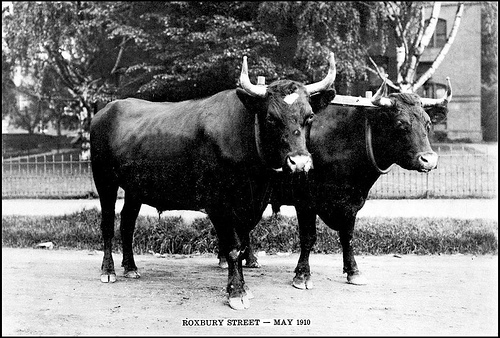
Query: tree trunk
(422,41)
(440,57)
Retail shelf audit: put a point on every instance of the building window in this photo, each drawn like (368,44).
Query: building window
(438,115)
(439,37)
(433,90)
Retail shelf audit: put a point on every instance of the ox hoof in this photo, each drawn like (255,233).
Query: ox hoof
(239,303)
(223,264)
(132,274)
(303,282)
(252,265)
(357,280)
(248,292)
(108,278)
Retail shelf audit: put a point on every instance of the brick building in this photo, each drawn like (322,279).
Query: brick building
(462,64)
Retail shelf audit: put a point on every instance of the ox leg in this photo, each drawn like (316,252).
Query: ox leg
(107,199)
(222,260)
(231,247)
(248,255)
(307,234)
(129,214)
(350,266)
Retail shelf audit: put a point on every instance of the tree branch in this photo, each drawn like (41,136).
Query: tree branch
(64,73)
(422,40)
(120,54)
(444,50)
(430,28)
(379,73)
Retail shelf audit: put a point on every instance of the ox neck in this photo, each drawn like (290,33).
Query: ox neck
(369,150)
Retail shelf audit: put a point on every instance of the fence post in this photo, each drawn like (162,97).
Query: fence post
(427,185)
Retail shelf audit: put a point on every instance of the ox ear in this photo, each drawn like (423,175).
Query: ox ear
(251,103)
(322,99)
(437,114)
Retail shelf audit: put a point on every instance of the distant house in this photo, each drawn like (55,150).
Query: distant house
(462,64)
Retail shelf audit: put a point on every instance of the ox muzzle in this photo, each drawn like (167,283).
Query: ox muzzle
(299,163)
(426,161)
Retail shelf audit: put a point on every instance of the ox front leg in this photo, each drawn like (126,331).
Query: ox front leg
(231,246)
(307,234)
(350,266)
(129,215)
(239,294)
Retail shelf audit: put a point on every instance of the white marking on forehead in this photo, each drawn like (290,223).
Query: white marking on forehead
(291,98)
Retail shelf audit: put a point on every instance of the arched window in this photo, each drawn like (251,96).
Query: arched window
(439,37)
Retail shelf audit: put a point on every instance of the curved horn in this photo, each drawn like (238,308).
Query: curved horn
(439,102)
(378,99)
(245,83)
(327,81)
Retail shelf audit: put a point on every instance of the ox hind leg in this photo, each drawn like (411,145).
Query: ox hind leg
(107,190)
(307,235)
(251,260)
(344,224)
(129,214)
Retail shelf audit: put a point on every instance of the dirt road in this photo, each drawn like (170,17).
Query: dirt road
(57,292)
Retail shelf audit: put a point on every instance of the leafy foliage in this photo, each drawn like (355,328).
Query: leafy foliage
(489,43)
(63,50)
(308,31)
(194,50)
(93,52)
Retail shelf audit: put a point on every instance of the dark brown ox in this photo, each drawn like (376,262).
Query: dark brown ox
(217,153)
(353,142)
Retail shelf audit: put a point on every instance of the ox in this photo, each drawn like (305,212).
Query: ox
(353,142)
(217,153)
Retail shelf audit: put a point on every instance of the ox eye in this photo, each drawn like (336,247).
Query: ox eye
(309,119)
(271,121)
(401,126)
(428,126)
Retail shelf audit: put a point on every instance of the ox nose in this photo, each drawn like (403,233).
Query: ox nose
(428,160)
(299,163)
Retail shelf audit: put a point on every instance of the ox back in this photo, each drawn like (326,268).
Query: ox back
(175,155)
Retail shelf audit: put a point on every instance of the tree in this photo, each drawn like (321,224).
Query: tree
(193,49)
(489,43)
(20,103)
(489,71)
(9,102)
(68,37)
(308,31)
(412,34)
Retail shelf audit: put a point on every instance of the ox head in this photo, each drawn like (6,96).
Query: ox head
(404,125)
(283,116)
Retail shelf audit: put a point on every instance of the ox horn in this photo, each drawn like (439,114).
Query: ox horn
(439,102)
(245,83)
(327,81)
(378,99)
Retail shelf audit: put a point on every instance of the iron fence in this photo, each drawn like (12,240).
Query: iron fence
(464,171)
